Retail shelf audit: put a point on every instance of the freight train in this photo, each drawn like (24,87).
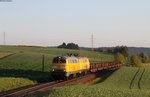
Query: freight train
(67,67)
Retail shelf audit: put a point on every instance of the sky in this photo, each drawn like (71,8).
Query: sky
(52,22)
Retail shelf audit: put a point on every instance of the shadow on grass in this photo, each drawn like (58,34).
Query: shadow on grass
(103,75)
(38,76)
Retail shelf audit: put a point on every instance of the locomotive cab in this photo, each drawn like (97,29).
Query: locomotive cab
(58,67)
(59,63)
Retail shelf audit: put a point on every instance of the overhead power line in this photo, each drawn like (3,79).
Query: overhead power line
(92,42)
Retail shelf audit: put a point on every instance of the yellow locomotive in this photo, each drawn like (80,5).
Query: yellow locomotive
(69,67)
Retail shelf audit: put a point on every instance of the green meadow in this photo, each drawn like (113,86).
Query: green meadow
(4,54)
(7,83)
(30,58)
(26,62)
(24,67)
(122,83)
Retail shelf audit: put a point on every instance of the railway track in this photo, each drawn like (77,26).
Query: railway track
(94,69)
(25,89)
(24,92)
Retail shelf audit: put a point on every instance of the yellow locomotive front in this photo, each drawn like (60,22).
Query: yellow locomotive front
(59,63)
(58,67)
(68,66)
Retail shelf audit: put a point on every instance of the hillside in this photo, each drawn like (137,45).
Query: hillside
(26,62)
(124,82)
(25,56)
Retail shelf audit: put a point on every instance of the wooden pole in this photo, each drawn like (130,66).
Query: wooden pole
(43,63)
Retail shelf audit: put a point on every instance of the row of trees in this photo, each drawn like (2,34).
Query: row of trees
(122,55)
(121,49)
(137,60)
(69,46)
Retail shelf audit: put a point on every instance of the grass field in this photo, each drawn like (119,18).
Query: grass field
(7,83)
(146,65)
(30,58)
(4,54)
(122,83)
(26,62)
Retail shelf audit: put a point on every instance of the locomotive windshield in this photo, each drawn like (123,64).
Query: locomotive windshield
(62,61)
(58,60)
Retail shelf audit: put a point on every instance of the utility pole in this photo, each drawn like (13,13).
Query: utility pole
(43,62)
(92,42)
(4,38)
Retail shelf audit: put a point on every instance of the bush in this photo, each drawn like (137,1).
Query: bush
(122,49)
(119,57)
(144,57)
(136,61)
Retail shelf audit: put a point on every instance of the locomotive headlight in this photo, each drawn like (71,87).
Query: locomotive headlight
(62,67)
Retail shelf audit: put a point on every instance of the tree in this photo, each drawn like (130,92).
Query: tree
(136,61)
(69,46)
(72,46)
(63,45)
(122,49)
(144,57)
(119,57)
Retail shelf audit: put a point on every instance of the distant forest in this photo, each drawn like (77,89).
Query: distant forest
(137,50)
(132,50)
